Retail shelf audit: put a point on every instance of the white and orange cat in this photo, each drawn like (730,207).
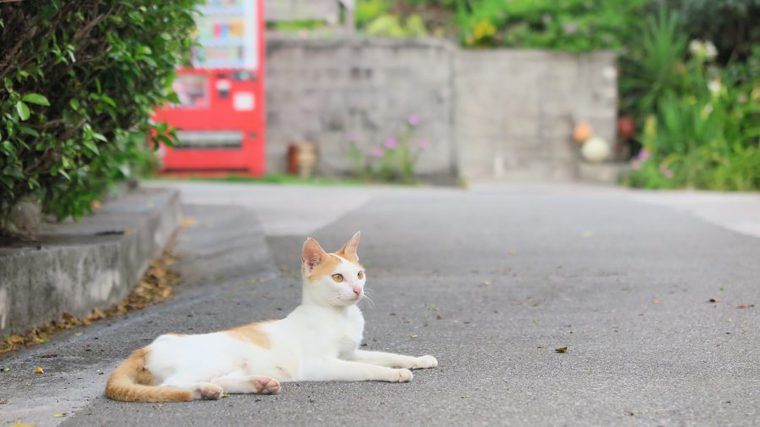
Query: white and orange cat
(318,341)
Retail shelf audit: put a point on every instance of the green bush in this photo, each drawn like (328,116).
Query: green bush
(702,122)
(568,25)
(80,80)
(731,24)
(653,64)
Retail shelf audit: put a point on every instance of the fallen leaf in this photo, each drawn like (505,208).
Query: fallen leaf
(656,301)
(587,233)
(6,369)
(39,370)
(20,424)
(59,415)
(95,204)
(412,335)
(743,306)
(187,222)
(96,314)
(16,339)
(561,350)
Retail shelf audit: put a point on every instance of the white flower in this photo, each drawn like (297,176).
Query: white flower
(714,87)
(703,50)
(711,52)
(696,47)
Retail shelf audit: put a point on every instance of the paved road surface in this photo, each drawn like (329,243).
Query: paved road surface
(490,281)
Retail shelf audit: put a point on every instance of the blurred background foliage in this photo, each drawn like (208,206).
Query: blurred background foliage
(689,70)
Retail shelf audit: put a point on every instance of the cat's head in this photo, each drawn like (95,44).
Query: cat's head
(334,279)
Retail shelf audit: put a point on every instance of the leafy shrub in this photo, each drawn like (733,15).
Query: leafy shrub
(79,82)
(392,161)
(654,64)
(702,126)
(393,26)
(731,24)
(568,25)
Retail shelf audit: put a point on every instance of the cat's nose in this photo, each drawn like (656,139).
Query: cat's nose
(357,290)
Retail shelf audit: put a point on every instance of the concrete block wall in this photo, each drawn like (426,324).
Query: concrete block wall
(516,109)
(329,91)
(500,113)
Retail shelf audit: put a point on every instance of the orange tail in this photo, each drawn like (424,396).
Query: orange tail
(131,382)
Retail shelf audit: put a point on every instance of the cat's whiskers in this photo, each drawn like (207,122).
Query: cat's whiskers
(368,299)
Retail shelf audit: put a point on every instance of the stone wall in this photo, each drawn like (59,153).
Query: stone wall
(485,113)
(516,110)
(332,91)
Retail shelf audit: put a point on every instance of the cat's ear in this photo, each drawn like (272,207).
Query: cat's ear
(350,249)
(312,254)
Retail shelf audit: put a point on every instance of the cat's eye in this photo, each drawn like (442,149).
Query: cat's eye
(360,275)
(337,277)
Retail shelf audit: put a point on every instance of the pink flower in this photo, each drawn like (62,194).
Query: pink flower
(665,171)
(413,120)
(643,155)
(391,143)
(423,144)
(376,152)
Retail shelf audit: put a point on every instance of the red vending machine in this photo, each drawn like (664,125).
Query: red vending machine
(220,115)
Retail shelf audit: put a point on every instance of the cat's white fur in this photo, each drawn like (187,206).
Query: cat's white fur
(318,341)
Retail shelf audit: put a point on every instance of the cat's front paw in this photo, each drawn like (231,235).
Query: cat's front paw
(208,392)
(425,362)
(401,376)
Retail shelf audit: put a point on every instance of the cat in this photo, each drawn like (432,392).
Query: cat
(318,341)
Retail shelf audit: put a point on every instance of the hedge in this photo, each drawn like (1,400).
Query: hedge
(78,83)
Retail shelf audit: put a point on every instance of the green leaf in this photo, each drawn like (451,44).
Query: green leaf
(29,131)
(108,100)
(22,110)
(36,98)
(91,146)
(8,147)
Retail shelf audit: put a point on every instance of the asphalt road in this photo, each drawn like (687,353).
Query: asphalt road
(489,281)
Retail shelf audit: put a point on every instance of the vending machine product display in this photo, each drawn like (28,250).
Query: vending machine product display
(220,114)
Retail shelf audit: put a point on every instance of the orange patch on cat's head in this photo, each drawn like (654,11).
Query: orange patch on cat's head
(316,263)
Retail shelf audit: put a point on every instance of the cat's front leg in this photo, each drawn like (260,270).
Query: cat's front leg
(345,370)
(240,383)
(393,360)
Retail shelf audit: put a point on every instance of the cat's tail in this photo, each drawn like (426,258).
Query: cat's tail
(131,382)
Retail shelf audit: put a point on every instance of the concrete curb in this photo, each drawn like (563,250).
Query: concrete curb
(77,266)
